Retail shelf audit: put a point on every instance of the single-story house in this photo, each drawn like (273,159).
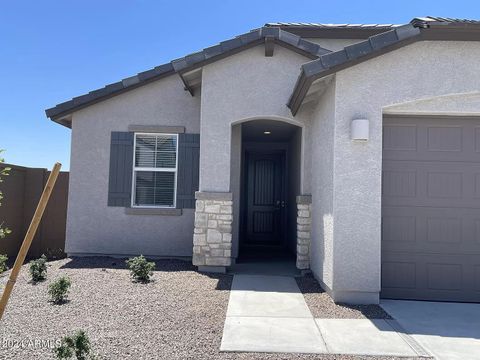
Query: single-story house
(354,147)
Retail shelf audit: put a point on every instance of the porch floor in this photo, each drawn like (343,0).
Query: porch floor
(259,267)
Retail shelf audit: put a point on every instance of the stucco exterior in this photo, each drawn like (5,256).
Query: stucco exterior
(419,71)
(342,176)
(92,226)
(243,87)
(322,127)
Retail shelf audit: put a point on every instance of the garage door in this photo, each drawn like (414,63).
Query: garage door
(431,208)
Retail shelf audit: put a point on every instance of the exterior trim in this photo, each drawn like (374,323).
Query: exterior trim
(154,169)
(120,168)
(153,211)
(157,129)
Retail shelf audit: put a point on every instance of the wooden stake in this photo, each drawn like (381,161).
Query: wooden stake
(27,241)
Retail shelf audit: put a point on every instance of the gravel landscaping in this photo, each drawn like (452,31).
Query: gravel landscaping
(322,306)
(179,315)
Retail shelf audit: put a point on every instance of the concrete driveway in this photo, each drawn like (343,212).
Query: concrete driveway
(447,330)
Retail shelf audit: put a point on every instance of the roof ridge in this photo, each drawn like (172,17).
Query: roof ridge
(329,25)
(420,21)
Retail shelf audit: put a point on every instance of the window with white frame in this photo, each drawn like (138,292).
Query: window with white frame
(155,170)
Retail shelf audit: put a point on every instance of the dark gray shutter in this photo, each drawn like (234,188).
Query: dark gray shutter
(121,167)
(188,170)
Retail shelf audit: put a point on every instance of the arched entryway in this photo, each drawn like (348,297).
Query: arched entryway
(265,181)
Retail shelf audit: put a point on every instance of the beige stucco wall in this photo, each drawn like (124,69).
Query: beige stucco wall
(418,71)
(92,226)
(344,177)
(239,88)
(246,86)
(321,132)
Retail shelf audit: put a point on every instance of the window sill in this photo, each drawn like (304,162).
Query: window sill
(153,211)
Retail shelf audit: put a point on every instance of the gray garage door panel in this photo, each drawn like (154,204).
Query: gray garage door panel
(431,209)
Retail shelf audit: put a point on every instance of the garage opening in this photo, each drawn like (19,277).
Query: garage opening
(431,208)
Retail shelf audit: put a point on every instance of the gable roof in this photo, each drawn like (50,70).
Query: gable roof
(428,28)
(382,38)
(187,63)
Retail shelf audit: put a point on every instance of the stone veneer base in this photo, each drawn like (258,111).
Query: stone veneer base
(304,227)
(212,238)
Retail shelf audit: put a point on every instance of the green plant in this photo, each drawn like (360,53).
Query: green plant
(55,253)
(58,290)
(140,268)
(4,231)
(3,263)
(38,269)
(77,345)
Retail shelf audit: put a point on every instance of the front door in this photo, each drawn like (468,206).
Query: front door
(264,196)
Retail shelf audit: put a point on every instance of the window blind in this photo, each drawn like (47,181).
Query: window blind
(155,170)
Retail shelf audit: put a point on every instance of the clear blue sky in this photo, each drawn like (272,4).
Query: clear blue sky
(51,51)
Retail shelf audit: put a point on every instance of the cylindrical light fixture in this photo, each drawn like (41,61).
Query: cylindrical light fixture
(360,129)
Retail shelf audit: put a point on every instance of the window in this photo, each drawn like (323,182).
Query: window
(155,170)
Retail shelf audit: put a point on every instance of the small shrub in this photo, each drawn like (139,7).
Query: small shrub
(3,263)
(58,290)
(55,253)
(38,269)
(77,345)
(140,268)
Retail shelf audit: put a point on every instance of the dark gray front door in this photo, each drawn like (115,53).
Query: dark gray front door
(265,200)
(431,208)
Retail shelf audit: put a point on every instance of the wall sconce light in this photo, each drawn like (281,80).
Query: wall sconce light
(360,129)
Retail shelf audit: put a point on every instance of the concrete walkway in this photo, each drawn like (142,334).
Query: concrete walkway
(447,330)
(269,314)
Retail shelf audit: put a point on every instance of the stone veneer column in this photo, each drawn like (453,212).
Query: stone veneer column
(304,226)
(212,238)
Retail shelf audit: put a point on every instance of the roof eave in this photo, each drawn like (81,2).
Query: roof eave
(349,56)
(439,31)
(189,63)
(59,111)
